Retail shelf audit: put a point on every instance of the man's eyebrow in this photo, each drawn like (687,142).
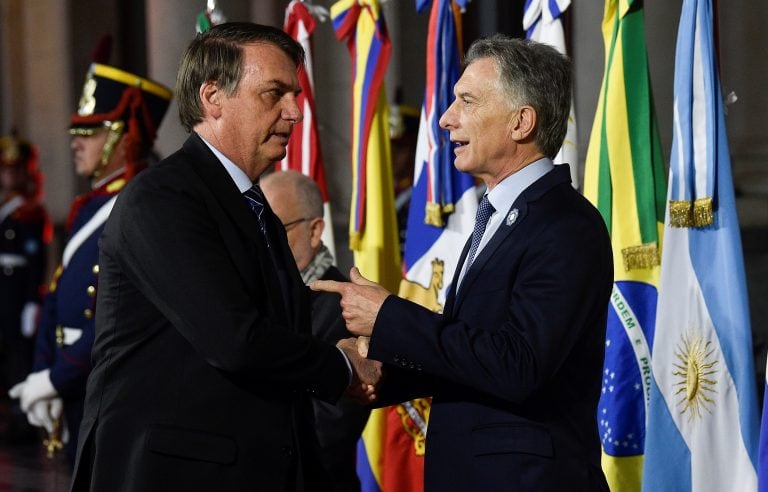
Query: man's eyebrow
(279,84)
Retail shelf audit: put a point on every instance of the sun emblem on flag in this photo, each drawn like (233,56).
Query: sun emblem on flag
(695,385)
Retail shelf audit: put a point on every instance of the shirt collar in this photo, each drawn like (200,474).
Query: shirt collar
(504,194)
(242,181)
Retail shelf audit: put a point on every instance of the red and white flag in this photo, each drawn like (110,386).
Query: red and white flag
(303,152)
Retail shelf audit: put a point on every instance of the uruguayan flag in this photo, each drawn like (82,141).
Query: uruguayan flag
(702,421)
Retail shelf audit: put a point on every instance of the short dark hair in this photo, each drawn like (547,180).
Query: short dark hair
(533,74)
(217,54)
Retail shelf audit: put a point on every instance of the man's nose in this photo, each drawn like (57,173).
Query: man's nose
(291,110)
(447,120)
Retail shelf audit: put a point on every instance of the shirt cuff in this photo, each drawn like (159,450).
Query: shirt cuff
(349,367)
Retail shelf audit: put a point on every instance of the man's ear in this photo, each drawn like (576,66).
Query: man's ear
(316,226)
(211,98)
(523,123)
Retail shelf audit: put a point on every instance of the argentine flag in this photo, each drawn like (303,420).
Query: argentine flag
(702,420)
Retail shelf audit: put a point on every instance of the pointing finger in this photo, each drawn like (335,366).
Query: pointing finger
(326,286)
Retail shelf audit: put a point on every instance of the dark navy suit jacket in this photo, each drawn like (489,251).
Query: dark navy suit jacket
(514,362)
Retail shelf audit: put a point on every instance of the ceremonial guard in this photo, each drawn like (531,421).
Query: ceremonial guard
(25,232)
(112,136)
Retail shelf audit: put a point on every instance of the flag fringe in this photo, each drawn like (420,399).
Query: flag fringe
(433,215)
(683,213)
(643,256)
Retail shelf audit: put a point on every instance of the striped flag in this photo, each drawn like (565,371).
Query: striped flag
(542,23)
(373,225)
(624,179)
(702,420)
(373,235)
(440,216)
(303,153)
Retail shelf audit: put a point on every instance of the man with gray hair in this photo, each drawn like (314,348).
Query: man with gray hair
(298,203)
(514,362)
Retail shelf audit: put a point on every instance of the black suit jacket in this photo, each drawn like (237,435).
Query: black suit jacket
(201,371)
(514,363)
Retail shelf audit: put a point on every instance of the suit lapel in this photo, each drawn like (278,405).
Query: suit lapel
(515,216)
(205,164)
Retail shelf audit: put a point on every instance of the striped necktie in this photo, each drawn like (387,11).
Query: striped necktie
(255,198)
(484,212)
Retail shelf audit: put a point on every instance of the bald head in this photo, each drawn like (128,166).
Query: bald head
(298,203)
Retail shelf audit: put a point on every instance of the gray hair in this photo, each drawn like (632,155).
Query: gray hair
(217,54)
(533,74)
(302,188)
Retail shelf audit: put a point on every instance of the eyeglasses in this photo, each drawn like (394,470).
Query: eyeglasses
(289,225)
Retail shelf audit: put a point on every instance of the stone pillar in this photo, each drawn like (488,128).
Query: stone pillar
(36,89)
(170,28)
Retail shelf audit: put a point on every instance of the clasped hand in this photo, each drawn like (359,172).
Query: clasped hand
(366,373)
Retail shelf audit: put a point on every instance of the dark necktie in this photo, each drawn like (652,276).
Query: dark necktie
(484,212)
(255,198)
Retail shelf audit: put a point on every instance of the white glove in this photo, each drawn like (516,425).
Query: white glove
(43,413)
(29,319)
(37,386)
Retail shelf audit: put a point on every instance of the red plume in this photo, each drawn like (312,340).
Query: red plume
(103,49)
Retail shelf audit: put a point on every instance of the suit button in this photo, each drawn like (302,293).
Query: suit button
(10,234)
(91,291)
(288,451)
(95,269)
(88,313)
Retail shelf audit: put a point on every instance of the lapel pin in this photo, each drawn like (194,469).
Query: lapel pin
(512,217)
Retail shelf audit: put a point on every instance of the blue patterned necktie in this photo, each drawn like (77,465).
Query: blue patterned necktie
(255,198)
(484,212)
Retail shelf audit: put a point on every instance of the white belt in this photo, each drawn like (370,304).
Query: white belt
(8,260)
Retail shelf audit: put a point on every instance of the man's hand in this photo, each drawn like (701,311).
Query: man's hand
(366,373)
(361,300)
(43,413)
(36,387)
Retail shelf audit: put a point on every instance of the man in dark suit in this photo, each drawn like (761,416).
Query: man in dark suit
(203,363)
(514,362)
(298,203)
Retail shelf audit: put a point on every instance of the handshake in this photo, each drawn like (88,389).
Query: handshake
(366,373)
(361,301)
